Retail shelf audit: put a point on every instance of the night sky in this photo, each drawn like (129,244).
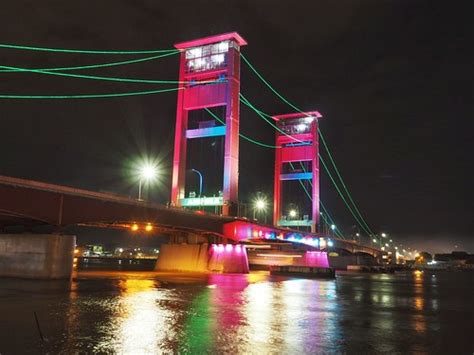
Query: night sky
(393,80)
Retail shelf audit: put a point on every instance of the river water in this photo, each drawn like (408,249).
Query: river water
(148,312)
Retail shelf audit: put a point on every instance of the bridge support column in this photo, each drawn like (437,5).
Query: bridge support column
(36,256)
(224,258)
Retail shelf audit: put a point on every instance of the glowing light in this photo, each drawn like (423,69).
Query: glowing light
(238,249)
(149,227)
(387,245)
(384,235)
(76,251)
(322,243)
(292,213)
(228,247)
(281,255)
(333,226)
(309,119)
(84,51)
(214,247)
(374,240)
(260,204)
(148,172)
(223,46)
(221,248)
(330,243)
(134,227)
(120,250)
(301,127)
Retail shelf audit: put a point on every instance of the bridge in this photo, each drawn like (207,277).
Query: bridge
(209,79)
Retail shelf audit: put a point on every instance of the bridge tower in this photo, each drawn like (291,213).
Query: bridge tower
(297,159)
(209,77)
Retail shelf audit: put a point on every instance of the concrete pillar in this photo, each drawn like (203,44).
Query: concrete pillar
(200,258)
(183,257)
(36,256)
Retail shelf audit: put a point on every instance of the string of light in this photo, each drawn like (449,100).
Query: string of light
(101,65)
(88,96)
(281,97)
(84,51)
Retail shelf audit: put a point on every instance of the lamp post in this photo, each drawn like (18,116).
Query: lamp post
(200,181)
(260,205)
(147,173)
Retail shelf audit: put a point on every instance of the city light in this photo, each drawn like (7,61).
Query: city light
(260,204)
(384,235)
(147,172)
(333,227)
(134,227)
(149,227)
(292,213)
(374,240)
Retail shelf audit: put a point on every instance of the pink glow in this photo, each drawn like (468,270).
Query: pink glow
(228,247)
(316,259)
(238,249)
(221,248)
(212,39)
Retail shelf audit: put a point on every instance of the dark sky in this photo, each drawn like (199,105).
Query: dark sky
(393,80)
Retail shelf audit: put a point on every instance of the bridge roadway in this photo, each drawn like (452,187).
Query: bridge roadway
(32,203)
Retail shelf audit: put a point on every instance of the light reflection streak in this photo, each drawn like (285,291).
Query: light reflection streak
(141,331)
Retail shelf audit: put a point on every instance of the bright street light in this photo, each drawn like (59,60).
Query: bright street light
(260,205)
(292,213)
(333,227)
(384,235)
(147,173)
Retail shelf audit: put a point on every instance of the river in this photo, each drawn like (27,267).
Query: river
(132,312)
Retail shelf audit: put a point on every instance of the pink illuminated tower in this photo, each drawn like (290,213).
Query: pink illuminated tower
(210,77)
(297,159)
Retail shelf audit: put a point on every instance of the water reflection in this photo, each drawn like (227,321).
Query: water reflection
(253,314)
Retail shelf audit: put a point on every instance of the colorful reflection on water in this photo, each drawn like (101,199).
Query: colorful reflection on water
(143,313)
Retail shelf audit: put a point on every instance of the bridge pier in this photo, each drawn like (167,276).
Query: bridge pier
(224,258)
(36,256)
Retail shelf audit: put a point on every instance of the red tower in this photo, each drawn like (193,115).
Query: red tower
(210,77)
(298,147)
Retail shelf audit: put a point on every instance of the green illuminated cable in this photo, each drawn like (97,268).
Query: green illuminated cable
(268,84)
(319,131)
(274,147)
(88,96)
(240,134)
(343,184)
(104,78)
(102,65)
(311,199)
(83,51)
(264,117)
(93,77)
(262,114)
(342,196)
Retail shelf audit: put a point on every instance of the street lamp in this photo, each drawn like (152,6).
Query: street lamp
(200,181)
(147,173)
(260,205)
(292,213)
